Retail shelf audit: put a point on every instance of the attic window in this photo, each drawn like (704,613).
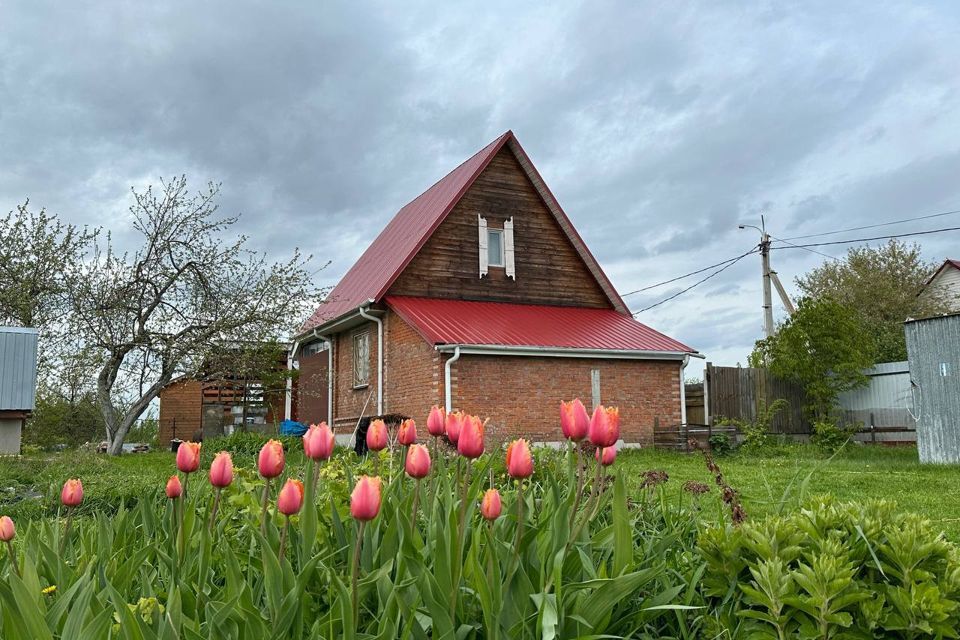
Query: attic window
(495,247)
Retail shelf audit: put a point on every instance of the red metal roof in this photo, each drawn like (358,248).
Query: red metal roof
(463,322)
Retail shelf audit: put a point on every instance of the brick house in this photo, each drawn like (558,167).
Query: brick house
(480,295)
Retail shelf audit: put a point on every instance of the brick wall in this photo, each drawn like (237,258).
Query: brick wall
(180,409)
(521,395)
(348,402)
(310,393)
(414,372)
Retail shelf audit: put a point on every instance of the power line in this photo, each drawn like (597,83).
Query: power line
(874,226)
(697,283)
(687,275)
(899,235)
(804,248)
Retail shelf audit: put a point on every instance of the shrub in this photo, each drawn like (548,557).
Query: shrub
(756,435)
(829,436)
(720,444)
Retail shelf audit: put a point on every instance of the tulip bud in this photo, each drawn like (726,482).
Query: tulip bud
(454,422)
(519,460)
(470,442)
(377,436)
(407,433)
(318,442)
(418,461)
(436,421)
(174,488)
(491,504)
(270,461)
(7,529)
(72,493)
(607,457)
(290,499)
(574,420)
(221,470)
(188,457)
(365,499)
(605,426)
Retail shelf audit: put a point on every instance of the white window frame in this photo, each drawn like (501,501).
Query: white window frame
(361,361)
(502,262)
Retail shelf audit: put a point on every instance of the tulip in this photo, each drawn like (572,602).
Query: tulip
(608,455)
(270,462)
(365,499)
(519,460)
(407,433)
(290,499)
(605,426)
(318,442)
(188,457)
(470,442)
(174,488)
(72,493)
(491,504)
(7,532)
(436,422)
(418,461)
(221,470)
(377,436)
(454,422)
(574,420)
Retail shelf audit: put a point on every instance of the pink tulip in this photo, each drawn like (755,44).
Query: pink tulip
(271,461)
(72,493)
(574,420)
(365,499)
(470,442)
(607,457)
(453,426)
(221,470)
(7,529)
(519,460)
(491,504)
(407,433)
(377,436)
(418,461)
(290,499)
(436,422)
(605,426)
(188,457)
(318,442)
(174,488)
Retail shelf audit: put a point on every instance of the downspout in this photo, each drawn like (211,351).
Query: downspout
(447,391)
(683,390)
(363,314)
(329,341)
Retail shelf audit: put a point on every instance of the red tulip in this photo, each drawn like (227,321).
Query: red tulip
(407,433)
(605,426)
(318,442)
(491,504)
(188,457)
(454,423)
(519,460)
(377,436)
(174,488)
(607,457)
(365,499)
(72,493)
(221,470)
(470,442)
(436,421)
(418,461)
(574,420)
(270,462)
(290,499)
(7,529)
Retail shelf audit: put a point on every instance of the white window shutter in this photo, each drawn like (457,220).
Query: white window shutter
(483,245)
(508,249)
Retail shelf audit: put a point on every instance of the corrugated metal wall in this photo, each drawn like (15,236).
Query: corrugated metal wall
(18,368)
(933,350)
(885,402)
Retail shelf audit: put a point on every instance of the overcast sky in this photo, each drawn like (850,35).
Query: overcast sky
(658,125)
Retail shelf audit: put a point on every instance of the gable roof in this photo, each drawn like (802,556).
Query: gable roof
(946,263)
(400,241)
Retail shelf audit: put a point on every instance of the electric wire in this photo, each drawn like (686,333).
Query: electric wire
(695,284)
(825,255)
(874,226)
(692,273)
(898,235)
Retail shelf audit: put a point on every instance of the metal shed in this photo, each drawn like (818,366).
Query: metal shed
(18,383)
(933,351)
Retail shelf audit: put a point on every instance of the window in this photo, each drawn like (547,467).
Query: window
(361,359)
(495,247)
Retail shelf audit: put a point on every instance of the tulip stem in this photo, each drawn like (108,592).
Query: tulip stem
(579,496)
(356,573)
(283,537)
(66,530)
(266,502)
(416,501)
(213,511)
(519,517)
(460,530)
(13,558)
(316,478)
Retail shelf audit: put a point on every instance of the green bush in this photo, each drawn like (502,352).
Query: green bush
(828,436)
(721,444)
(832,570)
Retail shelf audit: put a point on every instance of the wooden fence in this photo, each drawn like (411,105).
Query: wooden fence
(740,393)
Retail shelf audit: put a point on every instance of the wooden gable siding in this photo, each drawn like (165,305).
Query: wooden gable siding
(548,269)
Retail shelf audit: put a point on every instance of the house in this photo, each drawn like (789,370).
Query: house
(18,384)
(480,295)
(945,282)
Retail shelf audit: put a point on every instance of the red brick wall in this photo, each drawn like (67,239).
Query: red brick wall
(180,402)
(347,401)
(521,395)
(311,389)
(414,372)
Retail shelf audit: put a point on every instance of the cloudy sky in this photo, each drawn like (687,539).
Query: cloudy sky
(659,125)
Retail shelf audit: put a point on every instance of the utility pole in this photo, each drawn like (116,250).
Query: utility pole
(765,266)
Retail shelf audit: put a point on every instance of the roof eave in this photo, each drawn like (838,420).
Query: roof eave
(566,352)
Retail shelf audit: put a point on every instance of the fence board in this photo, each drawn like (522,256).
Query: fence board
(738,393)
